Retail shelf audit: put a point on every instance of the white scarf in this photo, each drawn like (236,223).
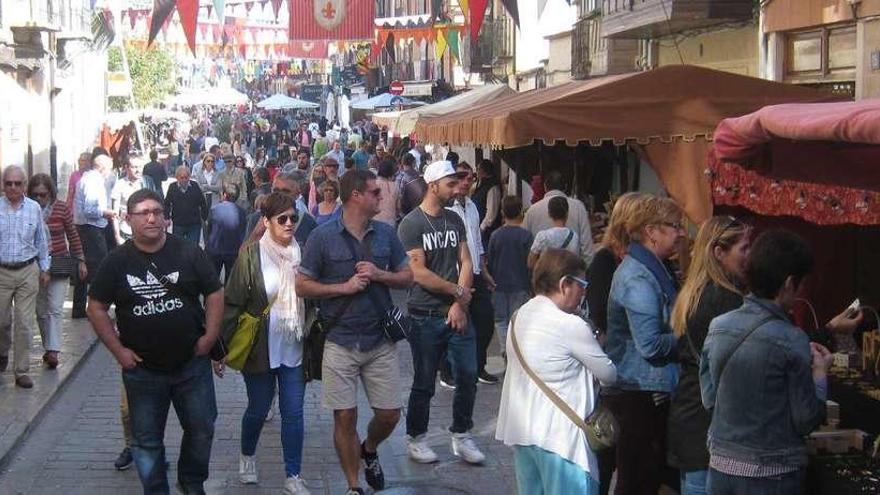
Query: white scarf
(288,309)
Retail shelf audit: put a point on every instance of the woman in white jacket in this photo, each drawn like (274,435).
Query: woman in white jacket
(551,453)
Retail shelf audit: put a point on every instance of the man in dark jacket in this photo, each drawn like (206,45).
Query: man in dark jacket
(185,206)
(156,171)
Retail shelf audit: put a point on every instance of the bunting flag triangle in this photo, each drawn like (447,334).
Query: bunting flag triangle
(477,12)
(132,17)
(276,6)
(209,9)
(188,10)
(161,12)
(464,8)
(541,5)
(513,9)
(248,6)
(440,44)
(203,30)
(452,39)
(220,8)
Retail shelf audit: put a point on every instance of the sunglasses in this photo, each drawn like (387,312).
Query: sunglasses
(13,183)
(209,161)
(674,225)
(40,195)
(283,219)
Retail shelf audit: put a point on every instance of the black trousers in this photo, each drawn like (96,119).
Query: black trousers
(641,447)
(483,319)
(94,242)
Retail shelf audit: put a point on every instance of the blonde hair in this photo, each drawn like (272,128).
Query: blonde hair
(651,210)
(616,238)
(705,267)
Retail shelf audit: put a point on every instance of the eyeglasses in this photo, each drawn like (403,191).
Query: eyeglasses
(13,183)
(158,213)
(283,219)
(208,161)
(583,283)
(674,225)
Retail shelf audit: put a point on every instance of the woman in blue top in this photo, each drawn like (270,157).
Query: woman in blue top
(642,345)
(329,207)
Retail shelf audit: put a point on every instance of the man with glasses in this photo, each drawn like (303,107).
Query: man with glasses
(349,265)
(24,265)
(164,338)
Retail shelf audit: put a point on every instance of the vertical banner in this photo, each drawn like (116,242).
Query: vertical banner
(334,20)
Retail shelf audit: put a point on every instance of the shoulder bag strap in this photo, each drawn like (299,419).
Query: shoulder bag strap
(742,338)
(555,399)
(567,239)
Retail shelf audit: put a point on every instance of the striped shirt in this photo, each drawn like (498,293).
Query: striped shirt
(23,234)
(63,238)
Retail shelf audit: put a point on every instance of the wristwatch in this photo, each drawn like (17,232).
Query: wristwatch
(459,291)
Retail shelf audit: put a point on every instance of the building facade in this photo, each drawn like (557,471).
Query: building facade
(52,85)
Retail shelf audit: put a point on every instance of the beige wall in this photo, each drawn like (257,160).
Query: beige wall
(784,15)
(867,40)
(559,62)
(731,50)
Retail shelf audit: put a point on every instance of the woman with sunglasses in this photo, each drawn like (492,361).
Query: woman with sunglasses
(551,454)
(64,243)
(208,179)
(263,276)
(329,207)
(235,174)
(642,345)
(714,286)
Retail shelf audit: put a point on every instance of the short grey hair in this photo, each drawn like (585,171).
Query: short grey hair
(14,168)
(293,176)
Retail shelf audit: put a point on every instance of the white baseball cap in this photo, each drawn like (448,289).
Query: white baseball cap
(439,170)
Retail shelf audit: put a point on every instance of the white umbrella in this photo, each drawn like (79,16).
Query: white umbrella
(213,96)
(384,100)
(283,102)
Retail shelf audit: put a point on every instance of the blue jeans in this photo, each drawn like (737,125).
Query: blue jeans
(506,303)
(694,482)
(725,484)
(430,337)
(192,233)
(150,393)
(260,391)
(540,471)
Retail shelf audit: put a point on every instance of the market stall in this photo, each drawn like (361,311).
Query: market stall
(812,168)
(669,114)
(403,122)
(283,102)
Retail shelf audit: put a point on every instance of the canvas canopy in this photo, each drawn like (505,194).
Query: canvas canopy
(283,102)
(214,96)
(384,100)
(403,122)
(668,103)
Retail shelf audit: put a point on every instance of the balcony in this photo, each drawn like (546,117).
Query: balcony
(419,70)
(657,18)
(494,46)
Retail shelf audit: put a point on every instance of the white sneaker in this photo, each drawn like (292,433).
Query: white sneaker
(247,469)
(463,446)
(420,451)
(295,485)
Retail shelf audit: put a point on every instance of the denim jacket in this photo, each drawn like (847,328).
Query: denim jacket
(767,402)
(640,340)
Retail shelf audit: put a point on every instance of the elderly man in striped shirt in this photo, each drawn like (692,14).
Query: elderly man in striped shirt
(24,264)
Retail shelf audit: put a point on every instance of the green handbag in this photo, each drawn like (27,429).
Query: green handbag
(243,339)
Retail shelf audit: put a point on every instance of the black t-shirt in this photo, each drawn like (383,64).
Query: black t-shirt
(158,324)
(439,237)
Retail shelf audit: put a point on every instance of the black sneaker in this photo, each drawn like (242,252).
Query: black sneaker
(124,460)
(355,491)
(372,470)
(446,380)
(485,377)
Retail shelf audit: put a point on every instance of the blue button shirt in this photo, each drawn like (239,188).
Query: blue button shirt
(327,259)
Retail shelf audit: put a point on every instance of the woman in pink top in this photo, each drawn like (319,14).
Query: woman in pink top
(85,163)
(388,203)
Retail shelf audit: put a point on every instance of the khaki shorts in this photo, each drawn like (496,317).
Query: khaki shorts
(377,368)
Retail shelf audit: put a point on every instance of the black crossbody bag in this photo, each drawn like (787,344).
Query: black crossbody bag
(394,323)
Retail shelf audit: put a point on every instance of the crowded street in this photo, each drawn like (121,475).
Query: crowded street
(428,247)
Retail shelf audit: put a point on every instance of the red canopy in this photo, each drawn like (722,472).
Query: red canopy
(817,161)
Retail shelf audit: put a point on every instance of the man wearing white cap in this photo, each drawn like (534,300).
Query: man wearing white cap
(436,242)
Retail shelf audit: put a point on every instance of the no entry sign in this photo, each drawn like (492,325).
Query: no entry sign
(395,88)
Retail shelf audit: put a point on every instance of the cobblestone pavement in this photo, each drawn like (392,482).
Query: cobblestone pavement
(73,447)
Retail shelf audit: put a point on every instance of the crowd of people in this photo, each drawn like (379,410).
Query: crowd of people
(675,339)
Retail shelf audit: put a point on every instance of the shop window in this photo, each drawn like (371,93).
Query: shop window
(827,54)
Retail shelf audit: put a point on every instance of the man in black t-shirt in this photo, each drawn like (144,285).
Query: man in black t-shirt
(436,241)
(164,339)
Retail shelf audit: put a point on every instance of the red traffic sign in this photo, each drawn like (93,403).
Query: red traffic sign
(395,88)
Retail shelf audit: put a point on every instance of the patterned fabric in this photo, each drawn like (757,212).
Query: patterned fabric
(736,467)
(63,237)
(23,233)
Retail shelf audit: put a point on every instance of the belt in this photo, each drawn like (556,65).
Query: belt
(19,265)
(429,313)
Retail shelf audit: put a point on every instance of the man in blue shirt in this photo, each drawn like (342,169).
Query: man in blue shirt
(349,263)
(24,265)
(226,224)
